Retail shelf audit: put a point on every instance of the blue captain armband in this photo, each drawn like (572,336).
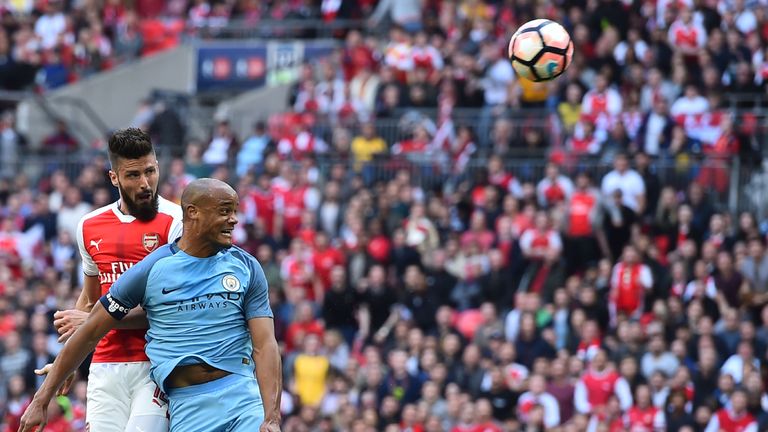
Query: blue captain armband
(113,307)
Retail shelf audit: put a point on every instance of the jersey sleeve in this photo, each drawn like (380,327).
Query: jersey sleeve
(580,398)
(89,266)
(128,290)
(173,210)
(257,295)
(174,232)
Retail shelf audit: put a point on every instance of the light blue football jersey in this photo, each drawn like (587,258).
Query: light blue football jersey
(198,308)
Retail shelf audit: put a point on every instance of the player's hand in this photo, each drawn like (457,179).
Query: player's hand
(64,389)
(270,426)
(35,417)
(67,322)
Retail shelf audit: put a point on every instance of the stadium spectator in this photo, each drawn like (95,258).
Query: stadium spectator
(629,282)
(626,180)
(734,417)
(537,396)
(251,155)
(60,141)
(222,146)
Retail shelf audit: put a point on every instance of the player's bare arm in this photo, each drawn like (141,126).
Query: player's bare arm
(266,356)
(83,341)
(67,321)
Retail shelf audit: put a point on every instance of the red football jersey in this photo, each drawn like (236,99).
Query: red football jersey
(600,386)
(110,243)
(730,422)
(580,209)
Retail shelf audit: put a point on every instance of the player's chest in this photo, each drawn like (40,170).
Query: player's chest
(200,293)
(124,244)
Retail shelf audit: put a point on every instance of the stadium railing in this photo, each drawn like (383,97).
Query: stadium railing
(401,123)
(729,185)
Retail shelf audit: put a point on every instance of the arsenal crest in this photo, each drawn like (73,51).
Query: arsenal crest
(151,241)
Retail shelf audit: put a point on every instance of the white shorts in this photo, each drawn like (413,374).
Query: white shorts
(122,398)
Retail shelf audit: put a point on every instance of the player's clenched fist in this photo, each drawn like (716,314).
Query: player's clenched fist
(270,426)
(67,321)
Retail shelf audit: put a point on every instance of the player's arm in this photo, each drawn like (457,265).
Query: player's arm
(266,357)
(83,341)
(89,295)
(67,321)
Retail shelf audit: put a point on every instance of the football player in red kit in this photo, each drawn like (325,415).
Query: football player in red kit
(121,397)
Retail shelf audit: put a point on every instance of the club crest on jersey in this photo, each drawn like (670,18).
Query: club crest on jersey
(230,283)
(151,241)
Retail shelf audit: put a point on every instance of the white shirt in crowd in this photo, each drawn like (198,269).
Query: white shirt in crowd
(631,185)
(496,82)
(653,133)
(689,106)
(734,367)
(49,27)
(548,402)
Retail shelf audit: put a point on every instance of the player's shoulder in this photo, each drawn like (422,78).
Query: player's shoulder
(241,254)
(246,258)
(96,222)
(169,208)
(106,211)
(161,253)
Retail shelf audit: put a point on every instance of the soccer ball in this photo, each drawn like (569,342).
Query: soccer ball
(540,50)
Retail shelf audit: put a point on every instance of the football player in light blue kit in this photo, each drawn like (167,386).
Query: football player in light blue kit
(210,323)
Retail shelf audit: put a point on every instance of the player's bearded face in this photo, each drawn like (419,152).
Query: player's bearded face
(137,181)
(142,205)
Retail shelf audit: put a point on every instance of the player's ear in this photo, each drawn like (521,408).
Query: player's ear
(113,178)
(191,211)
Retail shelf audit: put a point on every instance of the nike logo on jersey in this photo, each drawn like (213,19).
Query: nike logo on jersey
(170,290)
(96,243)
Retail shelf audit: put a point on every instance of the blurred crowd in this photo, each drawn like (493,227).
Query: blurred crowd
(682,82)
(45,44)
(531,266)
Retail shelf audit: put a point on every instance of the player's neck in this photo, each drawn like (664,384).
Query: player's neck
(123,208)
(197,249)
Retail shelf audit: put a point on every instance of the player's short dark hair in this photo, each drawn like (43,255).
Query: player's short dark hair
(129,143)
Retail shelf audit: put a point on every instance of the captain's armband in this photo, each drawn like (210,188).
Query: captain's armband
(114,307)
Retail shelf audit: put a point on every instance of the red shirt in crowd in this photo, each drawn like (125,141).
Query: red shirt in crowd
(264,208)
(729,421)
(324,261)
(291,202)
(297,330)
(580,209)
(595,388)
(646,419)
(488,426)
(628,285)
